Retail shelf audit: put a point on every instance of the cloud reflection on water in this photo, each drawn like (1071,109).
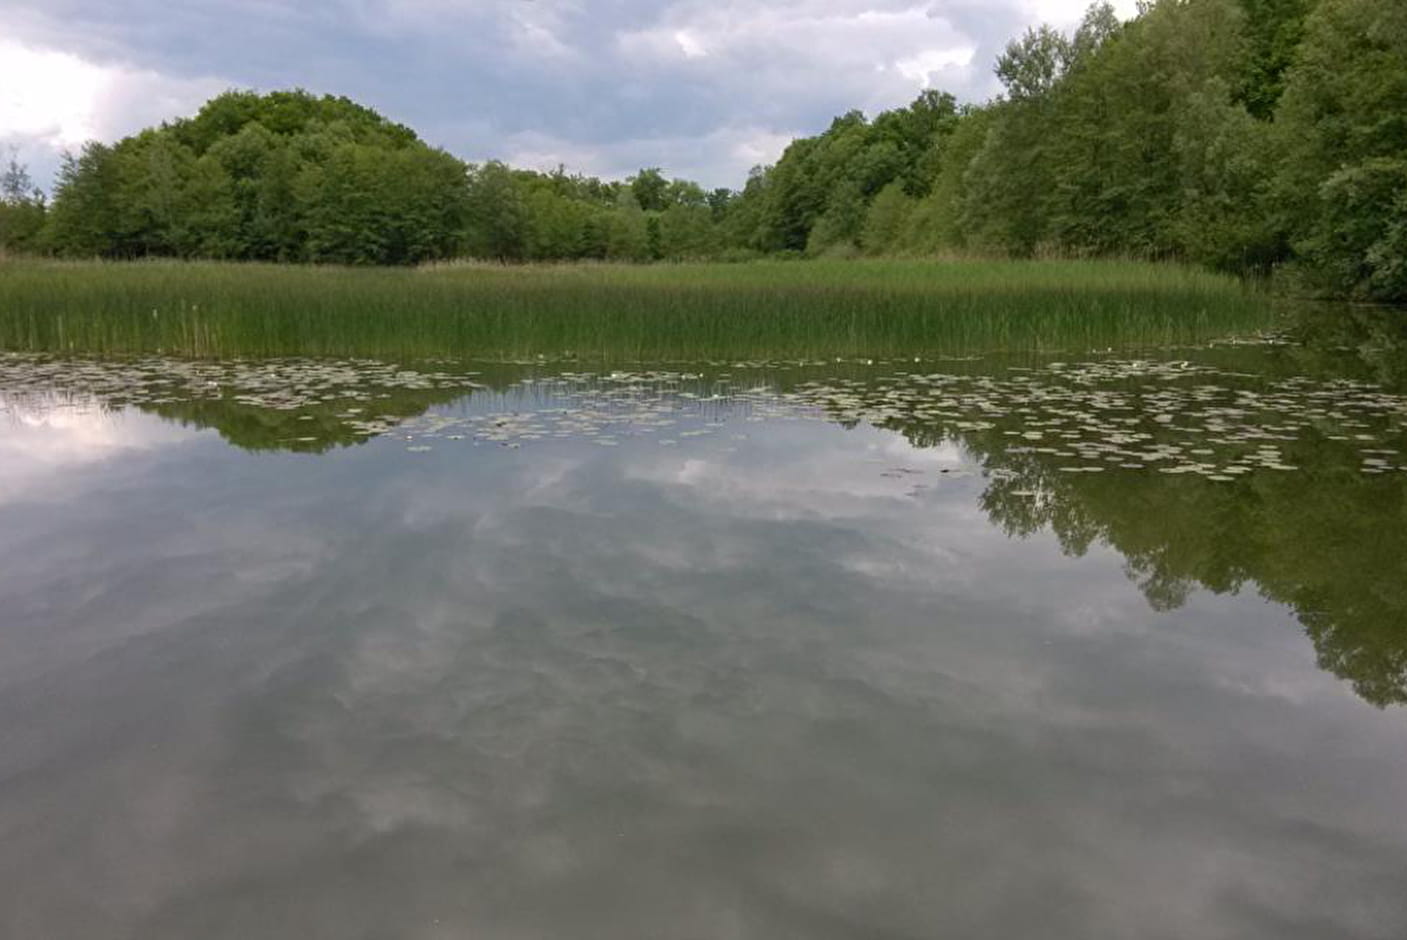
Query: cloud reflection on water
(744,688)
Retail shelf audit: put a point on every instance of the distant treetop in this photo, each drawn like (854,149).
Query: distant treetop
(285,114)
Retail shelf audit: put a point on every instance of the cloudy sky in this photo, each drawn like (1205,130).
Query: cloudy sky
(704,88)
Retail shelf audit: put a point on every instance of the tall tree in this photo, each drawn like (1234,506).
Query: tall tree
(1274,30)
(1342,126)
(498,217)
(22,208)
(650,189)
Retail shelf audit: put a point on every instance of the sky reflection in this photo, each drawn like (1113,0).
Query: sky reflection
(761,684)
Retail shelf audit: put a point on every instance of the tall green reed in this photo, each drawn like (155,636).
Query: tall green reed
(681,312)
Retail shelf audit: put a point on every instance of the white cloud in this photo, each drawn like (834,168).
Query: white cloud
(40,439)
(722,156)
(49,96)
(691,47)
(52,101)
(760,147)
(1066,13)
(529,27)
(795,37)
(922,68)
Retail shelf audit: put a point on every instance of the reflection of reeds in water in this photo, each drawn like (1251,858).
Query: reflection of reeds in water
(680,312)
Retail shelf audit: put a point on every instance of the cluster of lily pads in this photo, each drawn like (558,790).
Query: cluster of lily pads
(606,409)
(1153,415)
(1172,417)
(279,384)
(360,395)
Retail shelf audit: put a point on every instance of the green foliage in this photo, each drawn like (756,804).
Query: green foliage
(1007,185)
(916,134)
(1226,164)
(688,232)
(1343,133)
(85,218)
(22,210)
(935,226)
(838,228)
(1117,178)
(1359,241)
(816,197)
(499,213)
(1274,29)
(1169,137)
(1031,66)
(887,220)
(287,114)
(648,187)
(372,206)
(280,177)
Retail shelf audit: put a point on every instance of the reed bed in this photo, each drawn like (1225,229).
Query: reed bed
(657,312)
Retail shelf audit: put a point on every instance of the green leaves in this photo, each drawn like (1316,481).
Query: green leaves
(1343,126)
(1358,244)
(22,209)
(816,198)
(279,177)
(1031,66)
(1154,139)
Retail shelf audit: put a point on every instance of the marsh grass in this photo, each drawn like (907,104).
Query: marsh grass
(657,312)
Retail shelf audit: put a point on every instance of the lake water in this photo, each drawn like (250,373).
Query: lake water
(1098,645)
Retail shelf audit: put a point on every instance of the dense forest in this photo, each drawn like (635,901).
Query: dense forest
(1251,136)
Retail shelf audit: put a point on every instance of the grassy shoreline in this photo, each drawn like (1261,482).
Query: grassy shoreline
(662,311)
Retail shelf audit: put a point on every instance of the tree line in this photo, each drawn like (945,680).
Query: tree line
(1252,136)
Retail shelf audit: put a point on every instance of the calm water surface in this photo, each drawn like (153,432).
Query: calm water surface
(1107,646)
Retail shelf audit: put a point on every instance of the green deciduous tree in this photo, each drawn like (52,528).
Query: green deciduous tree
(1343,137)
(887,219)
(22,209)
(283,176)
(497,213)
(650,188)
